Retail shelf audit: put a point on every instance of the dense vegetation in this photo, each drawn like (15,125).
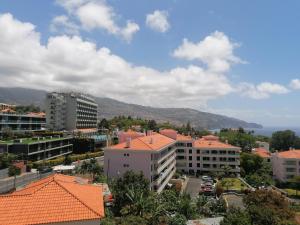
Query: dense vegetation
(27,108)
(284,140)
(136,204)
(255,170)
(125,123)
(262,208)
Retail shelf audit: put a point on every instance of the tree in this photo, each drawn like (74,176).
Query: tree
(268,207)
(236,216)
(283,140)
(177,219)
(13,171)
(91,167)
(129,182)
(295,183)
(104,124)
(67,160)
(6,160)
(152,125)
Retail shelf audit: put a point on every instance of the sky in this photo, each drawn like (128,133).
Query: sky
(236,58)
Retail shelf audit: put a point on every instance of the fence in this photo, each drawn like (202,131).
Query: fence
(10,183)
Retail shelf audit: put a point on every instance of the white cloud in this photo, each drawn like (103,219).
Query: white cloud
(261,91)
(158,21)
(72,62)
(93,14)
(62,24)
(215,51)
(295,84)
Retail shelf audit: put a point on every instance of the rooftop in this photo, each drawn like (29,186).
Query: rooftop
(152,142)
(291,154)
(55,199)
(262,152)
(32,140)
(211,141)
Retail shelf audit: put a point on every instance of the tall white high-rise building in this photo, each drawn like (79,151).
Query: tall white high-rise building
(70,111)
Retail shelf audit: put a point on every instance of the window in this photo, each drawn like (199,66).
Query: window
(198,158)
(290,162)
(214,166)
(180,157)
(190,158)
(191,151)
(125,165)
(198,151)
(290,169)
(190,164)
(198,165)
(214,152)
(180,150)
(206,152)
(189,145)
(205,158)
(126,154)
(206,165)
(214,158)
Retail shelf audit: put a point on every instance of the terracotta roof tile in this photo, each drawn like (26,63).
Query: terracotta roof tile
(262,152)
(153,142)
(211,143)
(57,198)
(291,154)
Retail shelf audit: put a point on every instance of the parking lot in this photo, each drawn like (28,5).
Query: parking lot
(193,187)
(203,184)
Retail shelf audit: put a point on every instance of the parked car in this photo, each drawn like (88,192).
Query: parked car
(206,178)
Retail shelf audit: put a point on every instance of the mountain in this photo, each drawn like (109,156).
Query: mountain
(109,108)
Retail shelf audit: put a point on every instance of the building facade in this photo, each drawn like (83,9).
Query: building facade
(70,111)
(286,164)
(22,122)
(159,159)
(38,148)
(153,155)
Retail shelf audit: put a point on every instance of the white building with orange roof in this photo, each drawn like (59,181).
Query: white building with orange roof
(262,152)
(153,155)
(286,164)
(56,200)
(124,135)
(208,155)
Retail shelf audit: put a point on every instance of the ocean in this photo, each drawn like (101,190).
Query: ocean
(267,131)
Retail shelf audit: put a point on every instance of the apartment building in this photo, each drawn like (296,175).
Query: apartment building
(206,155)
(22,122)
(154,155)
(38,148)
(71,111)
(286,164)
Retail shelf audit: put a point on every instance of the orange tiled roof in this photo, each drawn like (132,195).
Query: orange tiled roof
(8,110)
(86,130)
(262,152)
(38,114)
(153,142)
(55,199)
(291,154)
(181,137)
(204,143)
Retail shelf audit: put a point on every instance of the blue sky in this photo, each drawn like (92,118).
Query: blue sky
(258,43)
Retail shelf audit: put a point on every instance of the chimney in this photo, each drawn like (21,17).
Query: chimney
(149,132)
(151,140)
(128,143)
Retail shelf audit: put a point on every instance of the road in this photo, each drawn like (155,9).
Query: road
(193,187)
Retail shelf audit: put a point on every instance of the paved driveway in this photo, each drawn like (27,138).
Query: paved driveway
(193,187)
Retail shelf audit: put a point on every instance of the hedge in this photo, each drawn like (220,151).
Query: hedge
(60,160)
